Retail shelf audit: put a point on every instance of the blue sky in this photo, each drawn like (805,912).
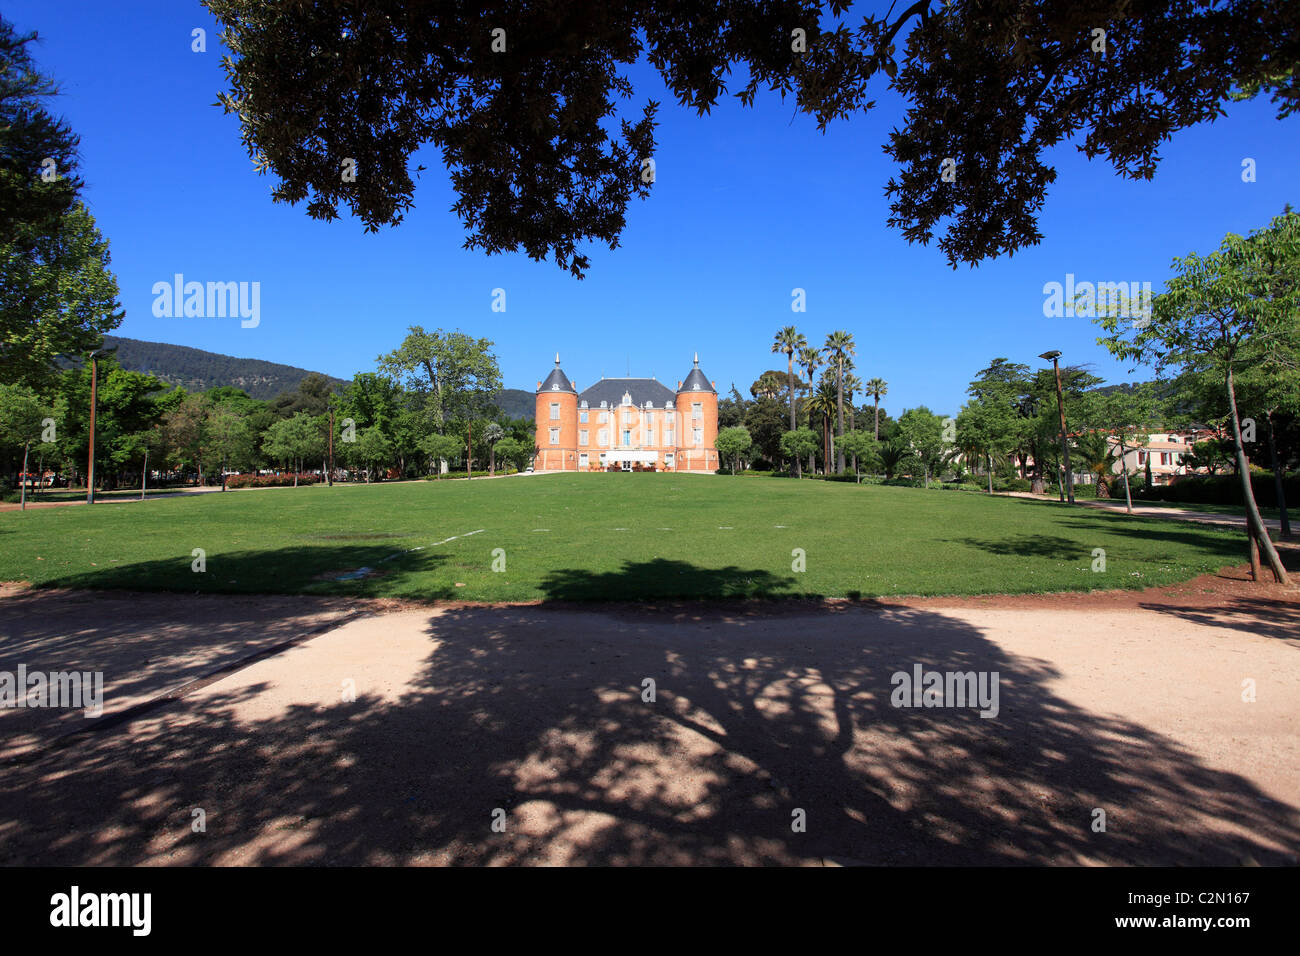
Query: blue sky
(748,204)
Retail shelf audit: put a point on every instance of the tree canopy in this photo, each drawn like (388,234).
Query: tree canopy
(522,101)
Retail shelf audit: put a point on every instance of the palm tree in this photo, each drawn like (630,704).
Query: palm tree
(839,348)
(789,340)
(852,385)
(823,404)
(877,388)
(811,360)
(493,434)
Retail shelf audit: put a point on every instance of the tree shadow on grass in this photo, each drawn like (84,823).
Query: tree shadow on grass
(662,578)
(763,715)
(353,570)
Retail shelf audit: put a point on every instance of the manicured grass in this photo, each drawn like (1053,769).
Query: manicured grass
(604,537)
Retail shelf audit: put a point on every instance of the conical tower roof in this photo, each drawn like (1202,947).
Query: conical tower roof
(696,381)
(557,381)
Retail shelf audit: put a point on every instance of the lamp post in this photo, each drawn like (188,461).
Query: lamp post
(1060,406)
(90,468)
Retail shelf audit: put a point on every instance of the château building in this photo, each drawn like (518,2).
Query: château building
(628,424)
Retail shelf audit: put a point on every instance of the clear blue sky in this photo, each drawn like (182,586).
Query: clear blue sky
(748,204)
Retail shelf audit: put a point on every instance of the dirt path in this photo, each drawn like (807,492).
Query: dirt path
(400,736)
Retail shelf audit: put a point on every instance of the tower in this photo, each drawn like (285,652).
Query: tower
(697,404)
(557,422)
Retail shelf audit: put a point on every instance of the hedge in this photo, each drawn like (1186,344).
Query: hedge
(1219,490)
(268,481)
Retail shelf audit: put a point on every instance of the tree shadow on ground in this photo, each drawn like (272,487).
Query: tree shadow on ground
(664,578)
(760,712)
(1261,616)
(144,644)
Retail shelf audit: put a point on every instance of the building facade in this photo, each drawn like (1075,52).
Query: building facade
(627,424)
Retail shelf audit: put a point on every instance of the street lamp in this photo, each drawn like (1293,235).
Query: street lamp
(1060,405)
(90,468)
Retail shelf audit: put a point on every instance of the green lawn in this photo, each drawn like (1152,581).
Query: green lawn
(604,537)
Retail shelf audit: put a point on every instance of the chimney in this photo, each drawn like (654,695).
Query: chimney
(679,385)
(539,386)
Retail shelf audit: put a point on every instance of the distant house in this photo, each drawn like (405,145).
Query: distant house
(627,424)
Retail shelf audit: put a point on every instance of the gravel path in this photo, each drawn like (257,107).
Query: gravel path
(401,735)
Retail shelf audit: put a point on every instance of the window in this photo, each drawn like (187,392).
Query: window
(649,438)
(627,437)
(1142,458)
(1164,458)
(582,460)
(582,416)
(602,438)
(627,416)
(668,460)
(604,418)
(670,438)
(555,411)
(699,436)
(555,436)
(582,437)
(697,411)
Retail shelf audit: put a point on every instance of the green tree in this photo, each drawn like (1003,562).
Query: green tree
(1237,302)
(371,447)
(798,442)
(877,388)
(492,434)
(865,451)
(294,440)
(732,443)
(441,448)
(988,425)
(922,432)
(790,340)
(542,157)
(57,297)
(839,350)
(22,419)
(451,373)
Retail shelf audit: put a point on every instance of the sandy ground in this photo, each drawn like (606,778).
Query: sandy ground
(383,733)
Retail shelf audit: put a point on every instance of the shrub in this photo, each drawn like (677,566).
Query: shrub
(1221,490)
(268,481)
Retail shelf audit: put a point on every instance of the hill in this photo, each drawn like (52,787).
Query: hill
(197,371)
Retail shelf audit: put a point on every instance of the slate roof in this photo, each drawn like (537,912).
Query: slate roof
(642,390)
(557,378)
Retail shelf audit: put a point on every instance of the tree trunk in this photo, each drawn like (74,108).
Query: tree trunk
(144,474)
(1254,523)
(839,418)
(988,465)
(789,369)
(1277,479)
(877,414)
(1123,467)
(22,478)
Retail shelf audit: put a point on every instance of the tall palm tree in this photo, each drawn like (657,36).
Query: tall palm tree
(810,359)
(839,349)
(822,404)
(877,388)
(493,434)
(790,340)
(852,385)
